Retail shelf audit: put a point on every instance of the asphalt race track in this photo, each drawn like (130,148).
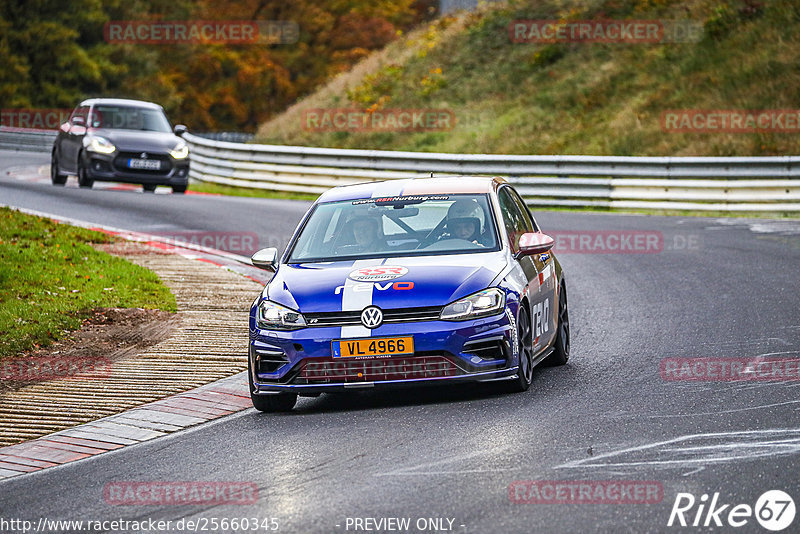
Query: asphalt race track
(446,458)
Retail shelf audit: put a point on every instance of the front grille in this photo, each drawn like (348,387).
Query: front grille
(376,369)
(346,318)
(121,163)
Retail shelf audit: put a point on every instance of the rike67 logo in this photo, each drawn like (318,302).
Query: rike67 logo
(774,510)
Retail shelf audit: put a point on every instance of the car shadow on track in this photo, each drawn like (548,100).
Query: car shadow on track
(356,400)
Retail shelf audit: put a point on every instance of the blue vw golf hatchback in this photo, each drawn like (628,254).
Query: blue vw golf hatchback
(407,282)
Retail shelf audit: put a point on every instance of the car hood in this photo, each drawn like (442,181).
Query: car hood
(139,140)
(427,281)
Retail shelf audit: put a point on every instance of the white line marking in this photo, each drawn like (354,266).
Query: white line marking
(728,451)
(725,411)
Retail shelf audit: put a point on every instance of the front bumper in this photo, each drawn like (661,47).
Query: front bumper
(302,361)
(112,168)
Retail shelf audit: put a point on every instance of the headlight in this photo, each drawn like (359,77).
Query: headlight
(480,304)
(180,151)
(98,144)
(273,316)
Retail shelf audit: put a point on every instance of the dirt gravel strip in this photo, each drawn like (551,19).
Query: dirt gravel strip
(208,343)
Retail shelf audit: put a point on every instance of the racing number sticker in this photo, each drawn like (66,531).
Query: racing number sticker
(377,274)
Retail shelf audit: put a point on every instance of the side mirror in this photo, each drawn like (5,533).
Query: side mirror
(266,258)
(534,243)
(78,121)
(180,129)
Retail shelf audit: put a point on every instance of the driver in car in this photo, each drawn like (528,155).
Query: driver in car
(464,221)
(366,234)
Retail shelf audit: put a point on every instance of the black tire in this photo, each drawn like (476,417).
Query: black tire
(83,177)
(149,188)
(283,402)
(561,354)
(179,189)
(525,342)
(55,175)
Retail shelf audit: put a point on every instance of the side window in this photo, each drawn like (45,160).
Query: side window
(530,224)
(515,217)
(95,119)
(80,111)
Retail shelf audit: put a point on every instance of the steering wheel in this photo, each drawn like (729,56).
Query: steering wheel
(432,235)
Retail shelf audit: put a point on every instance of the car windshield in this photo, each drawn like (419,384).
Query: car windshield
(128,118)
(396,226)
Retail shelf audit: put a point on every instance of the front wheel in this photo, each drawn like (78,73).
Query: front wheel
(149,188)
(55,174)
(561,353)
(83,175)
(179,189)
(525,344)
(283,402)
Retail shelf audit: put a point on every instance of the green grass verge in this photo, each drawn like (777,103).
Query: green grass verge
(217,189)
(51,278)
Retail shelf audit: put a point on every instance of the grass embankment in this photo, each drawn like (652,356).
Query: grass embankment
(51,278)
(572,98)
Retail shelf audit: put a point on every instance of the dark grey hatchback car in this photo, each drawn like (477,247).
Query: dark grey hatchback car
(118,140)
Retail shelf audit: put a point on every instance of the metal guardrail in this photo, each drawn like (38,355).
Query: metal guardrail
(767,184)
(29,141)
(764,184)
(233,137)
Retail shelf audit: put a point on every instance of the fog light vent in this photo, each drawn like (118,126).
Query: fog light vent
(494,348)
(269,360)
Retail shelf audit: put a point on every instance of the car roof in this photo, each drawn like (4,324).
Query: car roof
(120,102)
(414,186)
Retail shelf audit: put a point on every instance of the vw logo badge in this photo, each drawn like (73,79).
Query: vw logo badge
(371,317)
(144,155)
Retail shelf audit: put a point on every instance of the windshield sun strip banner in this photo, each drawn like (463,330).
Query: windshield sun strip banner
(399,199)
